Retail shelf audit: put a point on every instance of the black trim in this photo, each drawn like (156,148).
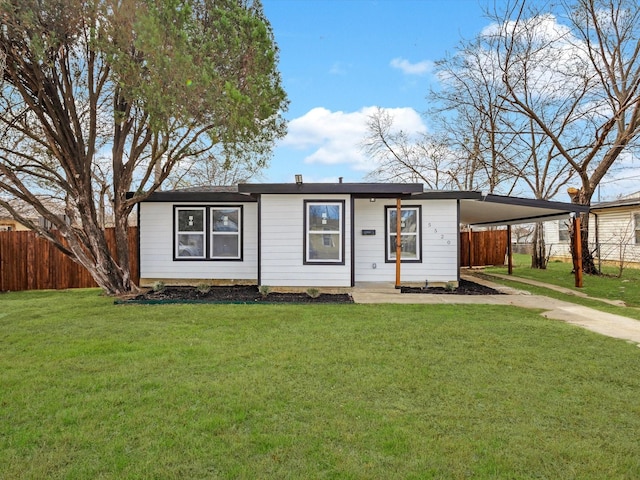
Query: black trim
(447,195)
(532,202)
(353,240)
(364,189)
(200,197)
(259,246)
(544,217)
(208,233)
(205,243)
(304,232)
(138,240)
(458,242)
(387,233)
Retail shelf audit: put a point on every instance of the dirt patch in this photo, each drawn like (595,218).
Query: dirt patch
(233,294)
(465,287)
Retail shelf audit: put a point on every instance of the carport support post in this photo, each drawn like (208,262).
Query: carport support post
(509,251)
(577,250)
(398,240)
(470,234)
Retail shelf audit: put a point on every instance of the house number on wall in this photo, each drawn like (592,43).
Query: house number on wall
(435,230)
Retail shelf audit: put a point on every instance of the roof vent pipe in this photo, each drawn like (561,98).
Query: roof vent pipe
(339,179)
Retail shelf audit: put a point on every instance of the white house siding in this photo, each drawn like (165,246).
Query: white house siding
(556,247)
(617,235)
(282,244)
(440,243)
(157,256)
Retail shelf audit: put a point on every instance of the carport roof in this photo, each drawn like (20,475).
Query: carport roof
(493,210)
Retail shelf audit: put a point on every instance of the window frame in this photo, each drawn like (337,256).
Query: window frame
(636,226)
(563,226)
(238,233)
(207,210)
(177,232)
(307,232)
(388,256)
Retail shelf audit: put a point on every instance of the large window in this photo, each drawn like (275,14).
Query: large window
(190,228)
(224,241)
(636,225)
(225,232)
(410,232)
(324,230)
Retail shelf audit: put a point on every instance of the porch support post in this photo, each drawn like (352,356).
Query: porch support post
(470,248)
(509,251)
(577,250)
(398,240)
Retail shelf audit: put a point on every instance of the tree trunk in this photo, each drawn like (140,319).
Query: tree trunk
(583,197)
(539,254)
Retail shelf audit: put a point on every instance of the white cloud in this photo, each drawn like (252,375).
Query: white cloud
(334,138)
(408,68)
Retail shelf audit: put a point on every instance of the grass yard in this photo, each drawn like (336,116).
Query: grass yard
(626,288)
(93,390)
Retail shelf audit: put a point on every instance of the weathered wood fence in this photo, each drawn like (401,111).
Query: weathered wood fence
(29,262)
(483,248)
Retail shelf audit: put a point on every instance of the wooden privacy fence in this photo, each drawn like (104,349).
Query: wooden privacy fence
(488,247)
(28,262)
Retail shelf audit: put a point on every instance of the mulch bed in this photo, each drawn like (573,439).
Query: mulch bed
(465,287)
(233,294)
(250,294)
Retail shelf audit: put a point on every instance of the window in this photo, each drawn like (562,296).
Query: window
(224,240)
(190,230)
(563,231)
(324,227)
(225,232)
(636,224)
(410,233)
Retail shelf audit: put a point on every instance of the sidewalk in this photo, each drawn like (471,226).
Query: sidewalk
(608,324)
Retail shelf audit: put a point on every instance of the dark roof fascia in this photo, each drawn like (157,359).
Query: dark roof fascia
(448,195)
(532,202)
(357,189)
(199,197)
(518,221)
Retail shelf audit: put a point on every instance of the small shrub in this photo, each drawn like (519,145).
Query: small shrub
(159,286)
(264,290)
(203,288)
(313,292)
(450,287)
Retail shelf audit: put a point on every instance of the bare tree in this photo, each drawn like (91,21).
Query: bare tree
(588,104)
(402,157)
(105,97)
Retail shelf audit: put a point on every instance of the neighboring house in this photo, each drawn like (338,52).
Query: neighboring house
(28,212)
(10,224)
(301,235)
(614,232)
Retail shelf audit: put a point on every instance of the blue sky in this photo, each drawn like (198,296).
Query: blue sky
(339,59)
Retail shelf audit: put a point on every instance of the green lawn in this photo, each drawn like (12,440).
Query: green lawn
(625,288)
(89,389)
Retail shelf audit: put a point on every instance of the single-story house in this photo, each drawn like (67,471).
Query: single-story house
(614,232)
(332,235)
